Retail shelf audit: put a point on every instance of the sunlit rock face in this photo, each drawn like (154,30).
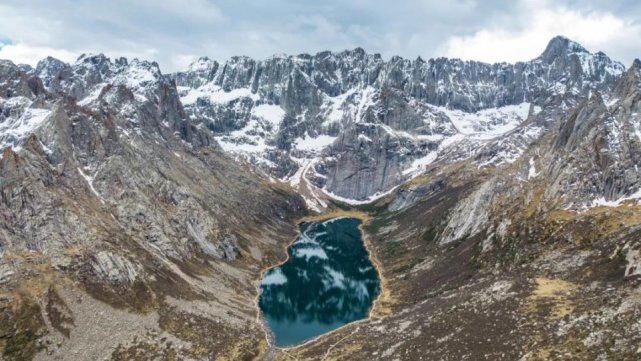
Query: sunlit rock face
(327,282)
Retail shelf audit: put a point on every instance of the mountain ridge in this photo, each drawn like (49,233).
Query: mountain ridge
(139,209)
(261,110)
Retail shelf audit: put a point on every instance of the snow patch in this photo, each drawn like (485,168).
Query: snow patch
(487,123)
(419,164)
(93,96)
(13,130)
(602,202)
(271,113)
(350,105)
(532,172)
(89,179)
(314,145)
(247,141)
(633,260)
(355,202)
(216,94)
(306,188)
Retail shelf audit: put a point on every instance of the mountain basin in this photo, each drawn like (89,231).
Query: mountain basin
(327,281)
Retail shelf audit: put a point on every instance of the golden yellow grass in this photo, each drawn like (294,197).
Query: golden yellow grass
(335,213)
(553,292)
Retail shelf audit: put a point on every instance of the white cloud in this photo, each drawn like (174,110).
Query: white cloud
(28,54)
(173,32)
(595,30)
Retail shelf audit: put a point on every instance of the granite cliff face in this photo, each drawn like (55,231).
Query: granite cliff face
(138,208)
(355,126)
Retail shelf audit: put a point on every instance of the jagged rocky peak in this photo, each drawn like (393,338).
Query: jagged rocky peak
(560,46)
(286,113)
(289,110)
(199,72)
(202,64)
(49,67)
(145,66)
(16,82)
(337,72)
(106,67)
(97,62)
(26,68)
(595,155)
(630,82)
(568,58)
(91,72)
(133,91)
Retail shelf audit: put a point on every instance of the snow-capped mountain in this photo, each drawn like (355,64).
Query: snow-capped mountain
(134,202)
(350,125)
(354,126)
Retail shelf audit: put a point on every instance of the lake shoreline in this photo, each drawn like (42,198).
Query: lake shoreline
(377,309)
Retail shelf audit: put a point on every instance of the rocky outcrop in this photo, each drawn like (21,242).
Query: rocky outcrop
(108,191)
(115,268)
(596,151)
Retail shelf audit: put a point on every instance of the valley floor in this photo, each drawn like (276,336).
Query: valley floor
(547,301)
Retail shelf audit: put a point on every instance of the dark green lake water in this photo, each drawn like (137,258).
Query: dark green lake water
(327,282)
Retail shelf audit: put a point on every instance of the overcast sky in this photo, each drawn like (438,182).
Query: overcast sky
(174,32)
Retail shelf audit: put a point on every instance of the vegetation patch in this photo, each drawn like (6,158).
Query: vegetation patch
(21,325)
(552,294)
(59,313)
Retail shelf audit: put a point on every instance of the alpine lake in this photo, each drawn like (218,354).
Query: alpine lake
(327,281)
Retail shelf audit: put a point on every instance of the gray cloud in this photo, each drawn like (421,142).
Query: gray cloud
(175,31)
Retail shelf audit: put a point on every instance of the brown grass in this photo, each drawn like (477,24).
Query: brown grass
(334,213)
(552,292)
